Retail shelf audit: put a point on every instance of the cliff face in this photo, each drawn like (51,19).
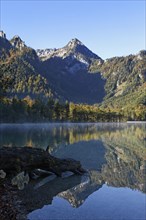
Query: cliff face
(2,34)
(17,42)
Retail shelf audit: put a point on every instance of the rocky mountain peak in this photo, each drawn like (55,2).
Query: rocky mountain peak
(17,42)
(74,42)
(2,34)
(75,49)
(142,53)
(79,50)
(5,45)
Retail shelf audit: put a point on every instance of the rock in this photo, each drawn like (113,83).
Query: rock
(2,174)
(20,180)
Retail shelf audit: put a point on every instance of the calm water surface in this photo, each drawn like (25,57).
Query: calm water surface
(114,154)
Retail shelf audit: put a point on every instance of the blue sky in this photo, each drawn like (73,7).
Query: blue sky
(108,28)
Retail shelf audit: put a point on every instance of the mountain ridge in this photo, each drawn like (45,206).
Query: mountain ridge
(73,73)
(74,48)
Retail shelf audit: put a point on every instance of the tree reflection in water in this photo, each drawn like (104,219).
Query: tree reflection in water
(114,154)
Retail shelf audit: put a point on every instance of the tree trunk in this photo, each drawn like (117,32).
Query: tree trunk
(14,160)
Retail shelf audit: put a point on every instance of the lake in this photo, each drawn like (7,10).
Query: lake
(114,155)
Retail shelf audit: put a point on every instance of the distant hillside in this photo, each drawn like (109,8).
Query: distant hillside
(125,79)
(22,69)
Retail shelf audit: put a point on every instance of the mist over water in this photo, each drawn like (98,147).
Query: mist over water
(54,134)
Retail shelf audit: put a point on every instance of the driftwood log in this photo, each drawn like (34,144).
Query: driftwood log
(14,160)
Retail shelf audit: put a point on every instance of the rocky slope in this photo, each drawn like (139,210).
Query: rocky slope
(75,48)
(125,79)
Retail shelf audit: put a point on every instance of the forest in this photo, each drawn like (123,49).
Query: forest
(36,110)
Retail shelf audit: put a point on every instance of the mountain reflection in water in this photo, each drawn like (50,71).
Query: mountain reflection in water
(114,154)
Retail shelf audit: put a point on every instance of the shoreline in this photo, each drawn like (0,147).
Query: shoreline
(70,123)
(136,122)
(10,204)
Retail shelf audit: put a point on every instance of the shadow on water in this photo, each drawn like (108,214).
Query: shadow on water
(38,193)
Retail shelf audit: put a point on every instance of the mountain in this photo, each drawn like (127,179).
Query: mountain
(125,79)
(75,56)
(20,70)
(5,46)
(68,70)
(17,42)
(73,73)
(64,77)
(75,48)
